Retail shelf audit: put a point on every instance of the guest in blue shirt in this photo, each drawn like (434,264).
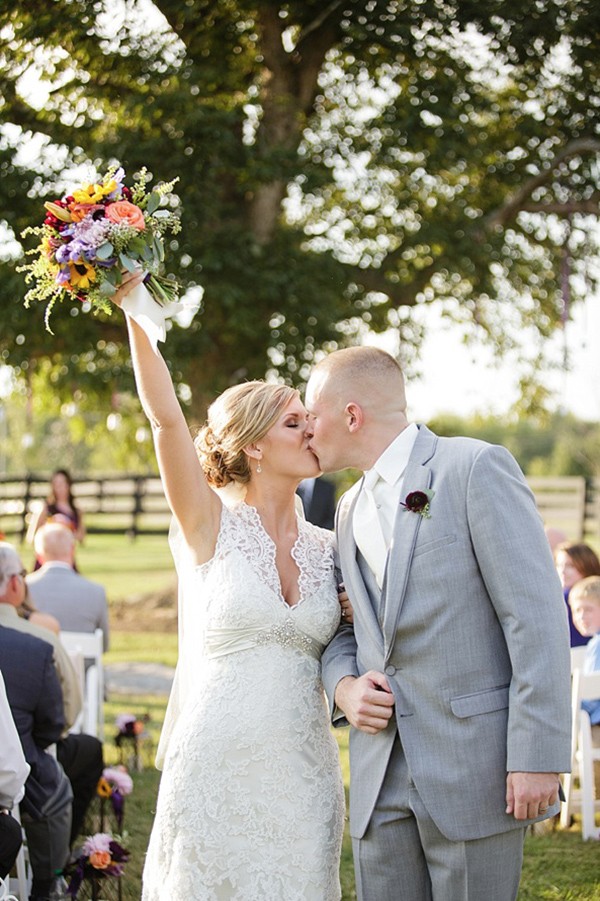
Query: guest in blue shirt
(584,601)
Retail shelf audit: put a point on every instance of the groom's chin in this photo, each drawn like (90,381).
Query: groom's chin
(317,461)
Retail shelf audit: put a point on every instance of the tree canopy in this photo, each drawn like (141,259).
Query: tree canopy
(341,164)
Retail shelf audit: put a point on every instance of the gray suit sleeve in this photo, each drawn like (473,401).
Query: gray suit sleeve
(517,567)
(338,660)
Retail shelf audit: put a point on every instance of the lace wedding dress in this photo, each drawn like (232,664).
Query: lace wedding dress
(251,802)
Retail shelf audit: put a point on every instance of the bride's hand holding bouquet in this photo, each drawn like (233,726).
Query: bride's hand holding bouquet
(94,239)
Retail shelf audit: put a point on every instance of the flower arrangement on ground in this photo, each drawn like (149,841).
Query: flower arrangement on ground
(102,856)
(132,732)
(114,785)
(129,724)
(94,234)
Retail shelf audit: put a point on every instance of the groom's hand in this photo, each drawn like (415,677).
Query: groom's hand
(529,795)
(367,701)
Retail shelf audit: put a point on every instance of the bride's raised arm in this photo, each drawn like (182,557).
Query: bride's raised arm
(192,501)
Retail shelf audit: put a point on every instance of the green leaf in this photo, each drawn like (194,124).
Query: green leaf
(105,251)
(127,263)
(153,202)
(107,288)
(137,245)
(159,248)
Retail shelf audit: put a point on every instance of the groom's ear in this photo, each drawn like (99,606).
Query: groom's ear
(354,416)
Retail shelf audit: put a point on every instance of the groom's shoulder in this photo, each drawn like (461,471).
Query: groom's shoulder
(462,449)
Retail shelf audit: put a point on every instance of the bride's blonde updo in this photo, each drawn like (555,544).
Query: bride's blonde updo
(242,415)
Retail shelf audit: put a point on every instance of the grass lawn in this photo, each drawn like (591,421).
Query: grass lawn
(145,647)
(127,566)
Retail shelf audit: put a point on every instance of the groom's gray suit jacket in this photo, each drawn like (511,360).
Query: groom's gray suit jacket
(470,628)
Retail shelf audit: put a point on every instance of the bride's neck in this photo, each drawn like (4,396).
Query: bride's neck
(276,506)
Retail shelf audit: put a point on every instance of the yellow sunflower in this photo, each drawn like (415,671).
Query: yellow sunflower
(82,274)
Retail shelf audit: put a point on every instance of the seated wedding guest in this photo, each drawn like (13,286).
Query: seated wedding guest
(575,561)
(14,771)
(35,701)
(80,755)
(584,601)
(60,506)
(12,599)
(28,611)
(318,500)
(555,537)
(78,604)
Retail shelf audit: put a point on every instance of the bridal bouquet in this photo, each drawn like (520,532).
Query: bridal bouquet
(93,235)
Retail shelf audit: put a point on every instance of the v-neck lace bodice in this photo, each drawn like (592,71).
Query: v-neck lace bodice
(271,569)
(244,565)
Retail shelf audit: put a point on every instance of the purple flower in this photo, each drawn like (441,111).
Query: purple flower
(63,254)
(63,275)
(118,177)
(119,779)
(125,722)
(98,842)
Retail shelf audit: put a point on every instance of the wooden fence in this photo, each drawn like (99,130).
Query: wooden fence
(125,504)
(136,505)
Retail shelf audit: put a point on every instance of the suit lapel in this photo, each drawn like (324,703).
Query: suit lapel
(417,477)
(355,586)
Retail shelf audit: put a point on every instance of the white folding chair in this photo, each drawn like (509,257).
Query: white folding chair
(5,893)
(20,886)
(577,657)
(90,646)
(586,687)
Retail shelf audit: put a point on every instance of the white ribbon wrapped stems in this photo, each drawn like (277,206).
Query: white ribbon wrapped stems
(149,315)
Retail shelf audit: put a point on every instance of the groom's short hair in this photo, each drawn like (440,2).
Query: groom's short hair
(364,367)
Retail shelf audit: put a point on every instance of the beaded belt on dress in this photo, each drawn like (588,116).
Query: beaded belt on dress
(220,642)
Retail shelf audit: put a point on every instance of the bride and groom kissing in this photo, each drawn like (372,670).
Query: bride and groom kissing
(453,676)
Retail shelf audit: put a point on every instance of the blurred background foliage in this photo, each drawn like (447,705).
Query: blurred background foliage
(341,164)
(36,436)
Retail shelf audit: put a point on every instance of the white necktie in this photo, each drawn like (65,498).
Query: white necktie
(367,529)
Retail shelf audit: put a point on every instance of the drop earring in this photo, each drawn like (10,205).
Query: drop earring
(259,467)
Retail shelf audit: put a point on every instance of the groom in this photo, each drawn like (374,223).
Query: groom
(456,674)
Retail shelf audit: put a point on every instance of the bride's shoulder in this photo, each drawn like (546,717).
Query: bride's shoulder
(324,538)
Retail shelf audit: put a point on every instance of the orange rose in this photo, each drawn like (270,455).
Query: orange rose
(123,211)
(100,860)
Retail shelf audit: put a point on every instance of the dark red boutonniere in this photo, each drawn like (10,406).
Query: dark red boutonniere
(418,502)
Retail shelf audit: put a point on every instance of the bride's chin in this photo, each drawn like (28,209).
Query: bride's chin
(314,472)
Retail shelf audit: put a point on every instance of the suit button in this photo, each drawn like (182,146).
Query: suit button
(390,670)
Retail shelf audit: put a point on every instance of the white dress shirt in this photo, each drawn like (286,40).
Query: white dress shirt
(14,769)
(385,481)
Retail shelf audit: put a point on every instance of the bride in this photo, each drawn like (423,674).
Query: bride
(251,802)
